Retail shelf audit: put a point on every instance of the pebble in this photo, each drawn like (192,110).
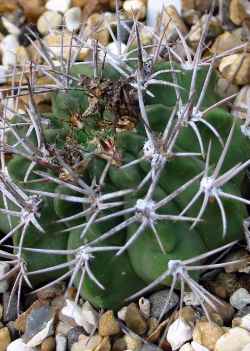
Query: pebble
(154,9)
(11,27)
(223,309)
(122,313)
(48,344)
(58,5)
(246,348)
(63,328)
(108,325)
(233,340)
(173,20)
(243,322)
(236,68)
(178,333)
(191,299)
(4,266)
(135,8)
(53,41)
(61,343)
(20,322)
(134,319)
(237,12)
(74,334)
(186,347)
(39,325)
(223,285)
(240,105)
(87,343)
(132,343)
(144,305)
(9,314)
(95,29)
(198,347)
(8,46)
(5,339)
(104,345)
(240,298)
(72,19)
(207,333)
(3,78)
(226,41)
(19,345)
(32,9)
(49,21)
(158,301)
(85,316)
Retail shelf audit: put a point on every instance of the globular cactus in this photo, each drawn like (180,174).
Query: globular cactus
(134,178)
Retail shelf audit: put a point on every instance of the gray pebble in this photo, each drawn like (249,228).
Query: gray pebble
(73,335)
(158,300)
(11,313)
(61,343)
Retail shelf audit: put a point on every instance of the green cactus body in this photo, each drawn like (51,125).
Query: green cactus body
(116,274)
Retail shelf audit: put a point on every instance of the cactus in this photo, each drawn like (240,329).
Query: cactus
(134,178)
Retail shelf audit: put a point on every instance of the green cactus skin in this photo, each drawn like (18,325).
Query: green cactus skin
(116,274)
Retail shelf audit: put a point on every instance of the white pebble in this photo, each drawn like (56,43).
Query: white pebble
(8,46)
(11,27)
(234,340)
(73,19)
(42,335)
(191,299)
(198,347)
(19,345)
(178,333)
(240,298)
(122,313)
(3,74)
(61,343)
(49,21)
(4,268)
(58,5)
(144,305)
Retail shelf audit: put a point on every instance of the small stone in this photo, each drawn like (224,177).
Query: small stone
(158,301)
(178,333)
(95,29)
(132,343)
(243,322)
(222,308)
(191,299)
(8,6)
(5,339)
(39,325)
(87,343)
(104,345)
(32,9)
(63,328)
(246,348)
(48,344)
(236,68)
(58,5)
(240,298)
(22,56)
(240,107)
(19,345)
(226,41)
(154,10)
(134,320)
(233,340)
(20,322)
(213,30)
(155,329)
(207,334)
(198,347)
(122,313)
(61,343)
(172,20)
(9,309)
(135,8)
(119,345)
(108,325)
(73,335)
(72,19)
(53,41)
(49,21)
(144,305)
(186,347)
(237,11)
(4,266)
(8,46)
(223,284)
(11,27)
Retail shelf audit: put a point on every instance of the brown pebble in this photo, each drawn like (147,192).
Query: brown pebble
(20,322)
(207,333)
(48,344)
(134,319)
(5,339)
(108,325)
